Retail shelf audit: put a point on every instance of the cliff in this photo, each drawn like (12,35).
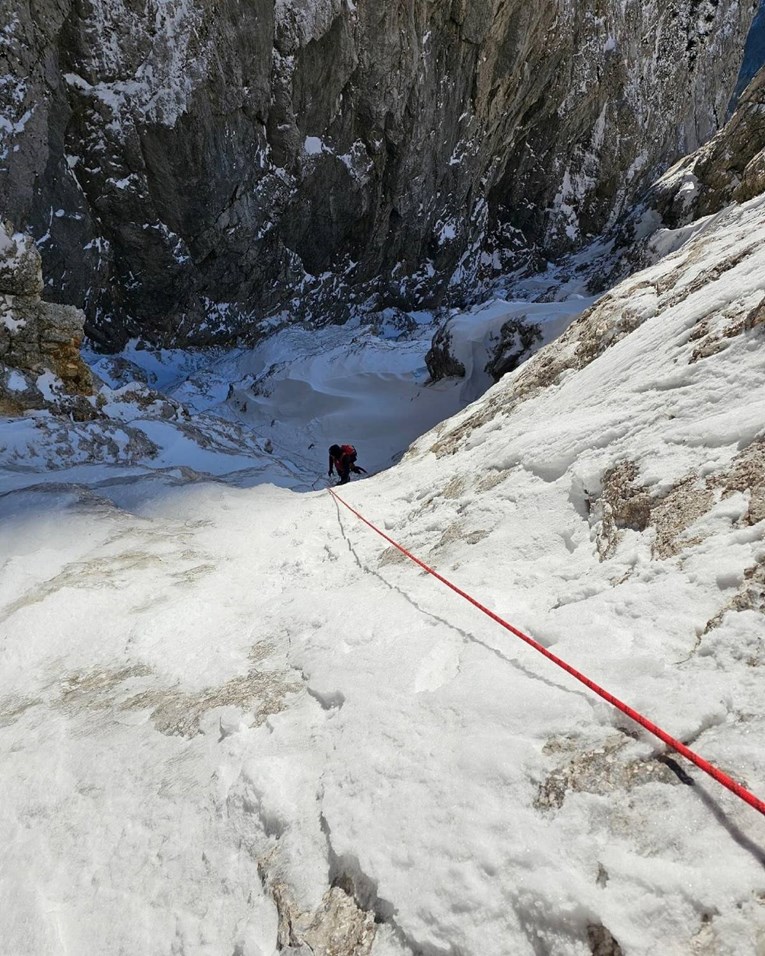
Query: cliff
(189,168)
(729,168)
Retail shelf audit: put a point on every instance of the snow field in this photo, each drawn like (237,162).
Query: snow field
(219,699)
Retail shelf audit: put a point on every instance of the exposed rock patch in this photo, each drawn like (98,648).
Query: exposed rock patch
(602,770)
(602,943)
(390,556)
(177,713)
(623,504)
(713,334)
(338,927)
(457,531)
(671,517)
(341,925)
(174,712)
(749,597)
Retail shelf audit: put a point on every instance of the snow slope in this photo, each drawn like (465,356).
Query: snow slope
(234,721)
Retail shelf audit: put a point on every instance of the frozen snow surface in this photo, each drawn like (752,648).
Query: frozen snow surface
(233,720)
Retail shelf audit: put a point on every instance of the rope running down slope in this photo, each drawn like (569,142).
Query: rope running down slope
(652,728)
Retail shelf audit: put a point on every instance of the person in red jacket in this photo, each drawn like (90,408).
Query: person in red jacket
(343,459)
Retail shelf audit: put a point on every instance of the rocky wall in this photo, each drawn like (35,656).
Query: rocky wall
(189,167)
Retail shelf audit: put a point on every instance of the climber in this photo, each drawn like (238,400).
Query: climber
(343,459)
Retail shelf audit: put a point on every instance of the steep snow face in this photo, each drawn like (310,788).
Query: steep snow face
(189,167)
(232,719)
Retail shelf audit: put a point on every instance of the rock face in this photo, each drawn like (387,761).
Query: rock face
(517,339)
(189,167)
(729,168)
(36,337)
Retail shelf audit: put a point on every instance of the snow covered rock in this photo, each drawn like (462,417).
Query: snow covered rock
(216,163)
(508,342)
(20,264)
(486,342)
(440,360)
(729,168)
(36,338)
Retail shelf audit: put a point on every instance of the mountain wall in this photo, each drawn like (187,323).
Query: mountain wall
(729,168)
(189,167)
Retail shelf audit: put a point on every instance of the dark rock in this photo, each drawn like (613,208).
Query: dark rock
(439,360)
(517,339)
(20,264)
(217,163)
(602,943)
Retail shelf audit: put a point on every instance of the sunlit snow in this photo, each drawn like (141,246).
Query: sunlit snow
(223,699)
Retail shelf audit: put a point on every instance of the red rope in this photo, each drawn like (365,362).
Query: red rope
(652,728)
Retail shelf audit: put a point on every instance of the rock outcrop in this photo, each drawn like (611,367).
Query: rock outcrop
(40,359)
(729,168)
(189,167)
(509,343)
(440,359)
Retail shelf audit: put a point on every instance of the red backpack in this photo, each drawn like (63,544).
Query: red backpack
(349,452)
